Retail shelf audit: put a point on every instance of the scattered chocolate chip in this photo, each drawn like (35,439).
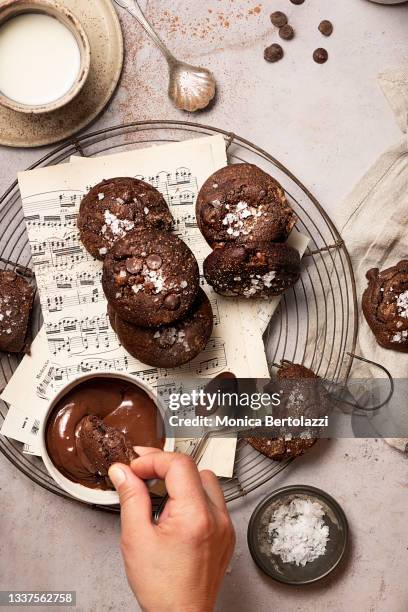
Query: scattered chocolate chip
(274,53)
(134,265)
(320,56)
(297,1)
(279,19)
(326,27)
(286,32)
(172,302)
(154,262)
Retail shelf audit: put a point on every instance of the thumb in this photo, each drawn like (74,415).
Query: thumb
(136,507)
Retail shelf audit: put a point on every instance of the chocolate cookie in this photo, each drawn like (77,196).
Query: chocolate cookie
(172,345)
(288,446)
(16,300)
(100,445)
(117,206)
(242,203)
(151,278)
(294,371)
(258,270)
(281,448)
(385,306)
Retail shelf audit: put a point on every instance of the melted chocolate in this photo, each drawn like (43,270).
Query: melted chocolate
(120,404)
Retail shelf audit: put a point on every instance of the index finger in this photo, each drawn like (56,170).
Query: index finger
(179,472)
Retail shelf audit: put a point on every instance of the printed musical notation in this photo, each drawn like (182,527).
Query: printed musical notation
(79,336)
(78,332)
(60,253)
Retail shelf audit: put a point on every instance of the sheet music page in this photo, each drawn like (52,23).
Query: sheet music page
(76,327)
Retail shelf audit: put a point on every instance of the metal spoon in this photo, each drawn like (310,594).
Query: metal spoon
(191,88)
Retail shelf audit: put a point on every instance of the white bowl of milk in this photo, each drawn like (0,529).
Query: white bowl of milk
(44,56)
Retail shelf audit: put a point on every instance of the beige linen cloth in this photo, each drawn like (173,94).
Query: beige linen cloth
(374,224)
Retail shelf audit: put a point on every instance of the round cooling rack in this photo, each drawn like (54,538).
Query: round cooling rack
(316,323)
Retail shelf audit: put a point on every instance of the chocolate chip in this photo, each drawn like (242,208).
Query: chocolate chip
(320,56)
(154,262)
(134,265)
(172,302)
(326,27)
(297,1)
(279,19)
(286,32)
(274,53)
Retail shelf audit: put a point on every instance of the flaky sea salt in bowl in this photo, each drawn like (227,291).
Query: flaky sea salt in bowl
(298,535)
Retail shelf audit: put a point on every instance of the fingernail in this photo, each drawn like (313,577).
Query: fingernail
(117,476)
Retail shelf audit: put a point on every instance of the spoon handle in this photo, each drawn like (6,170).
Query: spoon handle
(133,8)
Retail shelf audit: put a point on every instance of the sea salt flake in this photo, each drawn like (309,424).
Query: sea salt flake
(8,331)
(241,206)
(402,305)
(298,532)
(103,251)
(250,292)
(146,210)
(268,278)
(101,196)
(400,336)
(118,227)
(183,284)
(136,288)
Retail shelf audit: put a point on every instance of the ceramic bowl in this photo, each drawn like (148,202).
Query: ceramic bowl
(260,540)
(13,8)
(85,494)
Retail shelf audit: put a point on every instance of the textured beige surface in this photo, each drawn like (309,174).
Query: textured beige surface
(328,124)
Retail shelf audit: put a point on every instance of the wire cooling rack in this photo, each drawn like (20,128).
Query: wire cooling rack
(316,323)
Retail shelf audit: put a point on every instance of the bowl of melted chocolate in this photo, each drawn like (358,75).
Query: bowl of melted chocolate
(94,422)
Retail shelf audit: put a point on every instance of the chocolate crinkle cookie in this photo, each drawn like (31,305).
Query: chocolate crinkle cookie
(116,207)
(150,278)
(257,270)
(16,301)
(242,203)
(385,306)
(168,346)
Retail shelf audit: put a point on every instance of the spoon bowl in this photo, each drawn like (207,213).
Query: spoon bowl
(191,88)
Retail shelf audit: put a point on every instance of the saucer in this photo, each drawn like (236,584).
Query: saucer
(101,23)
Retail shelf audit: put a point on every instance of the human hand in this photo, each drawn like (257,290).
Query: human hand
(177,564)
